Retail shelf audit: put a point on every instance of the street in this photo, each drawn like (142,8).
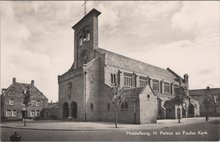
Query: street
(192,132)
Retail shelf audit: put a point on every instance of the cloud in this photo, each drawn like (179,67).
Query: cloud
(199,16)
(37,41)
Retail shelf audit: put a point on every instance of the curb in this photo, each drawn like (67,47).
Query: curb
(99,129)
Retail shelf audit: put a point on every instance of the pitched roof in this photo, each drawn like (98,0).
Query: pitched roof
(132,92)
(127,63)
(18,88)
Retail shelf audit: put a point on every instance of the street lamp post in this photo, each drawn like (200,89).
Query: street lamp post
(207,103)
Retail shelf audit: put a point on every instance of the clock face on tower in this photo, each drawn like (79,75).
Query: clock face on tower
(84,56)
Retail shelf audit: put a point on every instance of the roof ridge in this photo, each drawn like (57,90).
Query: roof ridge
(131,59)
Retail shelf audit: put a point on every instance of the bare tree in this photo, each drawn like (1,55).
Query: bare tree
(26,102)
(117,98)
(179,100)
(207,102)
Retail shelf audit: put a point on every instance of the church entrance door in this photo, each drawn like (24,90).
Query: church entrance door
(74,109)
(65,110)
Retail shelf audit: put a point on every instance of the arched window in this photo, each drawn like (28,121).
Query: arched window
(111,78)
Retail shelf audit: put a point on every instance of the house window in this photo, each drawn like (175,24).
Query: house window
(37,112)
(166,87)
(143,81)
(156,85)
(11,102)
(32,113)
(108,106)
(128,79)
(91,106)
(33,103)
(14,113)
(8,113)
(38,103)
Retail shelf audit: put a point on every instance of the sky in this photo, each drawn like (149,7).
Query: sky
(37,41)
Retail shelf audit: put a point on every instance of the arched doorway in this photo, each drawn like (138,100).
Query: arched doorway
(65,110)
(74,109)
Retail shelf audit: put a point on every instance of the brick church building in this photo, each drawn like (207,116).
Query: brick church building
(85,89)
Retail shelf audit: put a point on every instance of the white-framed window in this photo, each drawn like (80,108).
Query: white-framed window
(128,79)
(38,103)
(14,113)
(8,113)
(156,85)
(167,87)
(33,102)
(11,102)
(32,113)
(37,112)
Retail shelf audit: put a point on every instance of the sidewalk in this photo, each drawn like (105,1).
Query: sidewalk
(95,126)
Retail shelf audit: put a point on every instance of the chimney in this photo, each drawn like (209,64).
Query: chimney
(186,78)
(14,80)
(32,82)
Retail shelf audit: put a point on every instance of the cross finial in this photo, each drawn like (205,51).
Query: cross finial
(84,4)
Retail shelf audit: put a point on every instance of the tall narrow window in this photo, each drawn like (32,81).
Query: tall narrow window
(38,103)
(91,106)
(156,85)
(108,106)
(69,89)
(111,78)
(11,102)
(166,87)
(128,79)
(143,81)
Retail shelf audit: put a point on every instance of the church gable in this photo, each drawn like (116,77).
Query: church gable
(148,105)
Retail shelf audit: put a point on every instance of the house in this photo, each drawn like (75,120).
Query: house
(212,94)
(12,98)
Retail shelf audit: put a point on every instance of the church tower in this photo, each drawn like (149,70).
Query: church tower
(85,38)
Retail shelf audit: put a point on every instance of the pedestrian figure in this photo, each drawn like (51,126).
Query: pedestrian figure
(15,137)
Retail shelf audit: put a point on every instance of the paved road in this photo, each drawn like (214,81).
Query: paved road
(191,132)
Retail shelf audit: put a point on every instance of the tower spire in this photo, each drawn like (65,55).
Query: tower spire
(84,4)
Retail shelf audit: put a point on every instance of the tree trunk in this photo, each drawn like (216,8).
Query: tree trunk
(116,116)
(25,114)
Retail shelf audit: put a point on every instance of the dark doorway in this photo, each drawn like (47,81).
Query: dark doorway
(74,109)
(65,110)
